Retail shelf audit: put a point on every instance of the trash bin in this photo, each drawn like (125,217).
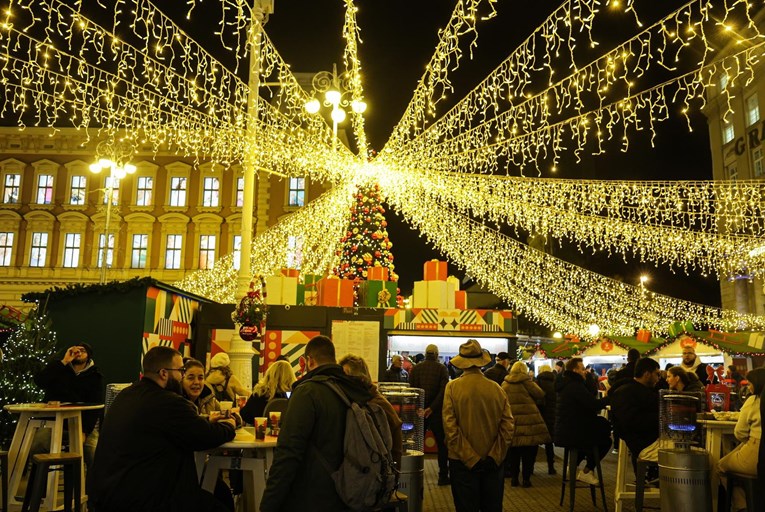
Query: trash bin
(684,481)
(410,480)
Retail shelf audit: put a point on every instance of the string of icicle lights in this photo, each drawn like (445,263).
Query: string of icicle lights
(714,227)
(353,66)
(548,290)
(315,229)
(502,125)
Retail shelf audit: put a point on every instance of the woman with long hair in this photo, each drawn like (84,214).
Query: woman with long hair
(681,380)
(196,389)
(748,430)
(275,383)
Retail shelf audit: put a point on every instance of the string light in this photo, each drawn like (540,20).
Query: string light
(351,33)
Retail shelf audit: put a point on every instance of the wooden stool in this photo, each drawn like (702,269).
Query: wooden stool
(642,467)
(570,463)
(70,463)
(5,480)
(753,494)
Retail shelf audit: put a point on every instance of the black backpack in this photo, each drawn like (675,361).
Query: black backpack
(367,476)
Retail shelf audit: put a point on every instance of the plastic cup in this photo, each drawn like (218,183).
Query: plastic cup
(261,424)
(241,400)
(225,408)
(275,417)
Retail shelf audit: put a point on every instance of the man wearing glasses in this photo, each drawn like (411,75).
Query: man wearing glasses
(145,457)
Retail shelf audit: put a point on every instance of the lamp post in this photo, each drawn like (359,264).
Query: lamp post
(336,89)
(114,156)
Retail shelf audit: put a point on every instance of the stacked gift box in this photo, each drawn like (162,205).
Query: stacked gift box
(377,291)
(336,292)
(438,290)
(282,289)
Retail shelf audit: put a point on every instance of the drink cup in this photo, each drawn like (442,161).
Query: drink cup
(261,424)
(275,417)
(225,408)
(241,400)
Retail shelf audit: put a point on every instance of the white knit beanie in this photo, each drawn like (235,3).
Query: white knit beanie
(219,360)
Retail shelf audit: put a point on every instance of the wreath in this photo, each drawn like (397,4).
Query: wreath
(251,311)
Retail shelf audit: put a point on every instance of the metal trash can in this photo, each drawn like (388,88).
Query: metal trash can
(684,481)
(411,480)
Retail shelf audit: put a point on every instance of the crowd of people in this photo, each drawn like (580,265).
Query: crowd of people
(488,422)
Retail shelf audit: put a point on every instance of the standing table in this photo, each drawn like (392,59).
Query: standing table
(715,430)
(32,418)
(253,456)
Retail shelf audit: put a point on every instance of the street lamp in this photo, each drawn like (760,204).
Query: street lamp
(114,157)
(336,89)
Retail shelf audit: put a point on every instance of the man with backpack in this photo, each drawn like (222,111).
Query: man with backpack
(311,445)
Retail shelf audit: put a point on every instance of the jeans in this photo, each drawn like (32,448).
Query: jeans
(436,425)
(478,489)
(602,441)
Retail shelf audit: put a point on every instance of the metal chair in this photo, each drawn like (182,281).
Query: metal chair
(570,463)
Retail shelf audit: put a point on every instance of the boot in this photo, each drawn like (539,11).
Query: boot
(551,469)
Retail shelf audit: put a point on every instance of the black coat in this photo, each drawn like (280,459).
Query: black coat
(497,373)
(145,454)
(60,382)
(635,410)
(576,413)
(394,374)
(546,381)
(255,406)
(313,423)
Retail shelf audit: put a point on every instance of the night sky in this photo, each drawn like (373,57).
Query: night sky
(398,40)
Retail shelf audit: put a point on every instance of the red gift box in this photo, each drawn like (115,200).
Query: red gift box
(460,299)
(336,292)
(377,274)
(290,272)
(435,271)
(644,335)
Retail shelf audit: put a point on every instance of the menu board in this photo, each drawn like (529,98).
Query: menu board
(358,338)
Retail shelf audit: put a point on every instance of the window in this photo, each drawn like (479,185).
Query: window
(113,184)
(240,192)
(757,162)
(294,251)
(752,110)
(39,250)
(143,191)
(109,249)
(732,171)
(728,133)
(71,250)
(44,189)
(139,252)
(77,194)
(296,192)
(173,253)
(177,191)
(11,188)
(210,192)
(6,249)
(206,251)
(237,253)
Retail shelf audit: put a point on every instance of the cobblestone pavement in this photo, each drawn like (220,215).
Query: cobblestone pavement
(544,495)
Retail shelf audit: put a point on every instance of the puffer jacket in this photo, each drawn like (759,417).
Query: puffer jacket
(523,393)
(216,380)
(206,403)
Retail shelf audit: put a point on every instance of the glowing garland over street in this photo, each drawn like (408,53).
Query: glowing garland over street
(549,290)
(353,65)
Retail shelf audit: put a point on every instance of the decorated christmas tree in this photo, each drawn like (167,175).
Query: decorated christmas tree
(366,245)
(25,353)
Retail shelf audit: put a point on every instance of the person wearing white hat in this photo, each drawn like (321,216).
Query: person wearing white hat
(479,425)
(222,379)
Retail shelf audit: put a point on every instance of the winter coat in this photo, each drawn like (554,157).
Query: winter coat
(635,409)
(145,454)
(60,382)
(255,406)
(478,422)
(546,381)
(216,379)
(206,402)
(394,374)
(523,394)
(576,413)
(497,373)
(430,376)
(313,424)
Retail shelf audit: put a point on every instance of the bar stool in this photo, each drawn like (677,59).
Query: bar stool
(43,463)
(753,494)
(642,467)
(570,463)
(5,479)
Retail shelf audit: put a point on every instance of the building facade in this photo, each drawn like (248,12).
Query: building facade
(171,217)
(737,141)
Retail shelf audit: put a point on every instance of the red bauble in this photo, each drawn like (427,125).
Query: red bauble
(384,223)
(249,332)
(366,210)
(377,254)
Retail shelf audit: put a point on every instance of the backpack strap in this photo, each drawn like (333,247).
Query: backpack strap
(331,384)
